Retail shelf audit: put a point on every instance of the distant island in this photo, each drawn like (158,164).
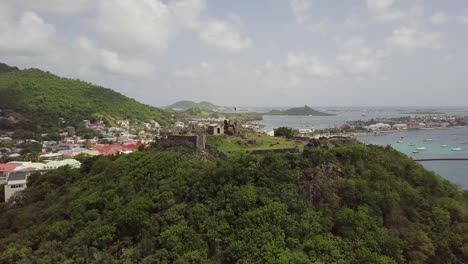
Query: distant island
(300,111)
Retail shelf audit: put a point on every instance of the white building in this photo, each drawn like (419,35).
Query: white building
(179,124)
(27,165)
(400,127)
(60,163)
(379,126)
(16,181)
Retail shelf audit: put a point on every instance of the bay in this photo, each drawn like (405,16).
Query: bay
(455,171)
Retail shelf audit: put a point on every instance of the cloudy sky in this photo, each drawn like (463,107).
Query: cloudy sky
(249,52)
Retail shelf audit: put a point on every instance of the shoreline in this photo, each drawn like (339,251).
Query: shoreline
(413,130)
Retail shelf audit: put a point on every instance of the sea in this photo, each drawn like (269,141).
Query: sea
(438,143)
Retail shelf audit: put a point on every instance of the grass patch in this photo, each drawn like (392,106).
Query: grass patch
(252,141)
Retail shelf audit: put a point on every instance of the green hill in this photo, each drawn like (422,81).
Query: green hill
(186,105)
(303,111)
(6,68)
(348,204)
(43,99)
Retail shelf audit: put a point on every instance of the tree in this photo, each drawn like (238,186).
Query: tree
(285,132)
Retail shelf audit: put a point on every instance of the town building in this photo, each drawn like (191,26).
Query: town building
(5,169)
(60,163)
(400,127)
(16,182)
(179,124)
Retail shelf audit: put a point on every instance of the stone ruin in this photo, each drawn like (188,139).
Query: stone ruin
(232,127)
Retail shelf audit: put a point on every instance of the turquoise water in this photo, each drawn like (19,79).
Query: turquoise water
(433,141)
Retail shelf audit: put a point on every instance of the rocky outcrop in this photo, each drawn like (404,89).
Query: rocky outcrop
(310,179)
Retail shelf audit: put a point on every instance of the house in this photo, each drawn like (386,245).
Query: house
(5,169)
(60,163)
(51,156)
(16,181)
(179,124)
(107,149)
(27,165)
(215,129)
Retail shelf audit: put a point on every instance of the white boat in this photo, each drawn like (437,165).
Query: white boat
(421,148)
(428,139)
(457,149)
(415,151)
(411,145)
(443,146)
(400,141)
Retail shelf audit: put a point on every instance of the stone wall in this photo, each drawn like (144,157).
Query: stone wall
(197,142)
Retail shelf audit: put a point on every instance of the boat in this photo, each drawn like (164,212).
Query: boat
(428,139)
(415,151)
(421,148)
(411,145)
(400,141)
(443,146)
(457,149)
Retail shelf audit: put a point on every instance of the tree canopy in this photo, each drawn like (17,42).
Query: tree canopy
(349,204)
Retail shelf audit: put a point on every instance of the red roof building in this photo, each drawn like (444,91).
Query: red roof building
(131,146)
(107,149)
(5,168)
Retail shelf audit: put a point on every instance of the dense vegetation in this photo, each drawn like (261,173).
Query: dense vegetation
(285,132)
(305,110)
(186,105)
(349,204)
(42,99)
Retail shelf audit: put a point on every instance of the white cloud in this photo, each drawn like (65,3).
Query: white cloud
(29,35)
(355,58)
(150,25)
(198,71)
(439,18)
(383,10)
(354,21)
(408,39)
(309,65)
(223,35)
(129,25)
(463,19)
(6,13)
(56,7)
(302,11)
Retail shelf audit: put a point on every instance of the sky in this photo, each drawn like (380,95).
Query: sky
(249,52)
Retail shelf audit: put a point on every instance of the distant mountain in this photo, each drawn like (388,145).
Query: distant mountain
(46,100)
(186,105)
(7,68)
(304,111)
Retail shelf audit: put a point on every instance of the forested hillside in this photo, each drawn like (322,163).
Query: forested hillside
(43,98)
(350,204)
